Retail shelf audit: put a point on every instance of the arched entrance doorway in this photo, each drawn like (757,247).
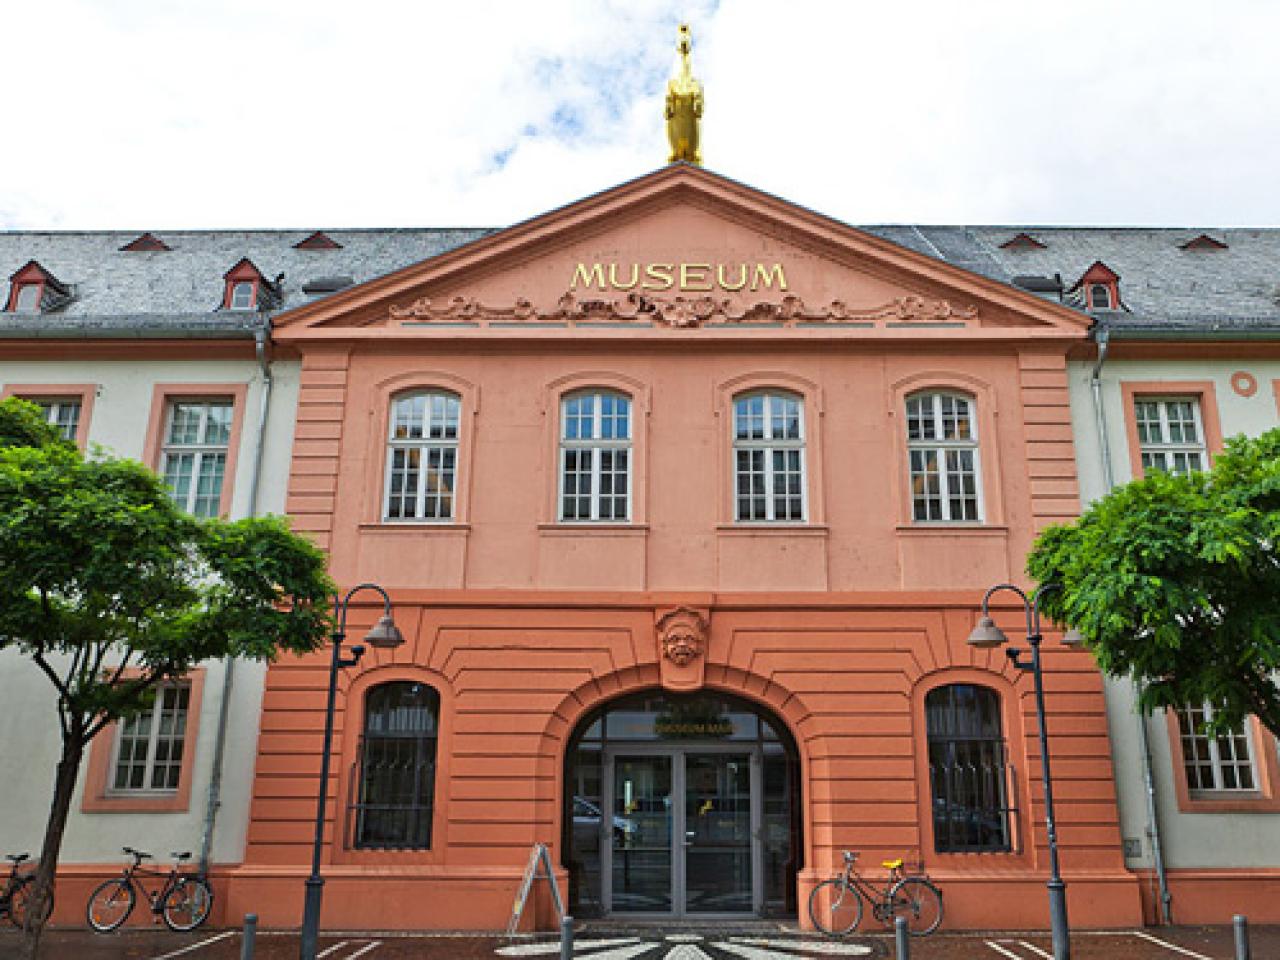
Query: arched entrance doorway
(682,805)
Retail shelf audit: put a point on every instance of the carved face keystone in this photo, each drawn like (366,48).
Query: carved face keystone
(683,635)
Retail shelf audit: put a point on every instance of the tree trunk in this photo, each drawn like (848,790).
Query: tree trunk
(63,789)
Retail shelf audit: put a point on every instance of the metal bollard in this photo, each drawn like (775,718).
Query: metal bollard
(1241,924)
(250,931)
(566,938)
(902,937)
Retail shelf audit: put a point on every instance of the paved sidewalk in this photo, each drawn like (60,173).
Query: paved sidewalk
(651,943)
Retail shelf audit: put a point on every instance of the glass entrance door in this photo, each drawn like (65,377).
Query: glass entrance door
(642,871)
(683,832)
(717,833)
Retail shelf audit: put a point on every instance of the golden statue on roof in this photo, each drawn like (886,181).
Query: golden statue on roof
(684,106)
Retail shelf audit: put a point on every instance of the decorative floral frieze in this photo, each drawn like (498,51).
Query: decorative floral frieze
(680,312)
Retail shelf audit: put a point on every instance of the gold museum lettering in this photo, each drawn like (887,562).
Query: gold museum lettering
(703,277)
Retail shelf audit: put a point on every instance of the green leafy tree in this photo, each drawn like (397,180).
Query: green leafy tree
(1175,581)
(111,590)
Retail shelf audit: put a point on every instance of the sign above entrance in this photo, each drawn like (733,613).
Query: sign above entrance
(687,277)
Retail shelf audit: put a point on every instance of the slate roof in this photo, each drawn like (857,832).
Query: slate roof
(178,292)
(181,289)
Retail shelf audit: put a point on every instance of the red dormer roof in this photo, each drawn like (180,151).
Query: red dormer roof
(1023,241)
(318,241)
(1204,242)
(146,243)
(244,270)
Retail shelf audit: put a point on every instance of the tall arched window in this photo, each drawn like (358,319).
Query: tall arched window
(397,768)
(968,772)
(595,456)
(942,443)
(422,456)
(768,456)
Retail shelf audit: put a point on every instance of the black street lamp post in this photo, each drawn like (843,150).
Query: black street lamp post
(386,635)
(986,635)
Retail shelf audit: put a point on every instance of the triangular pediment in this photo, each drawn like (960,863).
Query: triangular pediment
(680,248)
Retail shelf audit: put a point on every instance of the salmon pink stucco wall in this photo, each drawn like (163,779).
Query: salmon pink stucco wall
(838,625)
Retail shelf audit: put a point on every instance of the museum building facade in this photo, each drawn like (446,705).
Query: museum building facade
(685,498)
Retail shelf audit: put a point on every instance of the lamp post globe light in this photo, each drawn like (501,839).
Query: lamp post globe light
(384,635)
(987,635)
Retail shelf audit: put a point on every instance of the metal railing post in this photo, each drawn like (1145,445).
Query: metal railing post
(566,938)
(902,938)
(250,931)
(1241,924)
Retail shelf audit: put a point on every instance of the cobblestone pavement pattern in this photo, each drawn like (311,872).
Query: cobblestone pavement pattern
(1184,943)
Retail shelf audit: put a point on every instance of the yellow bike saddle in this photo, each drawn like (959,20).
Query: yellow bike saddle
(891,864)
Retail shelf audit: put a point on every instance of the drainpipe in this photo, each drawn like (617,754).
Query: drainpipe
(1144,744)
(213,801)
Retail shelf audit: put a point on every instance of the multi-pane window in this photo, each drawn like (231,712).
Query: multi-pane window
(1170,434)
(149,746)
(242,295)
(768,456)
(193,460)
(942,445)
(397,768)
(422,457)
(968,769)
(61,413)
(595,456)
(27,298)
(1222,761)
(1099,296)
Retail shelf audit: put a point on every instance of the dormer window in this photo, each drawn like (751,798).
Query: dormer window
(33,289)
(243,295)
(26,298)
(248,289)
(1097,289)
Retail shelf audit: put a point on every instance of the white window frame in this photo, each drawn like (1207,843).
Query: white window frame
(1167,449)
(1214,758)
(153,737)
(54,407)
(242,295)
(426,445)
(1106,296)
(771,445)
(595,445)
(201,449)
(27,297)
(941,446)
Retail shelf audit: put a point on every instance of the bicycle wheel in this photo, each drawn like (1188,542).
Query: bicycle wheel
(110,904)
(920,902)
(188,904)
(835,907)
(20,901)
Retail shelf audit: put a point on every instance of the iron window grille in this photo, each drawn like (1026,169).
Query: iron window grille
(150,745)
(595,457)
(1217,762)
(942,446)
(1170,434)
(422,457)
(396,769)
(768,456)
(971,780)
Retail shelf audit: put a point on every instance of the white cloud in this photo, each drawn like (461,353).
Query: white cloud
(305,113)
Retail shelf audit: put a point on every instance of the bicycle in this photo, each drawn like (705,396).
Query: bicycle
(835,906)
(17,892)
(183,900)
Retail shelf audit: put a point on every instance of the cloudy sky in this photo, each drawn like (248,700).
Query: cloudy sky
(155,114)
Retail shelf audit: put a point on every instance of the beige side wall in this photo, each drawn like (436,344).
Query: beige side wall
(1189,840)
(31,745)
